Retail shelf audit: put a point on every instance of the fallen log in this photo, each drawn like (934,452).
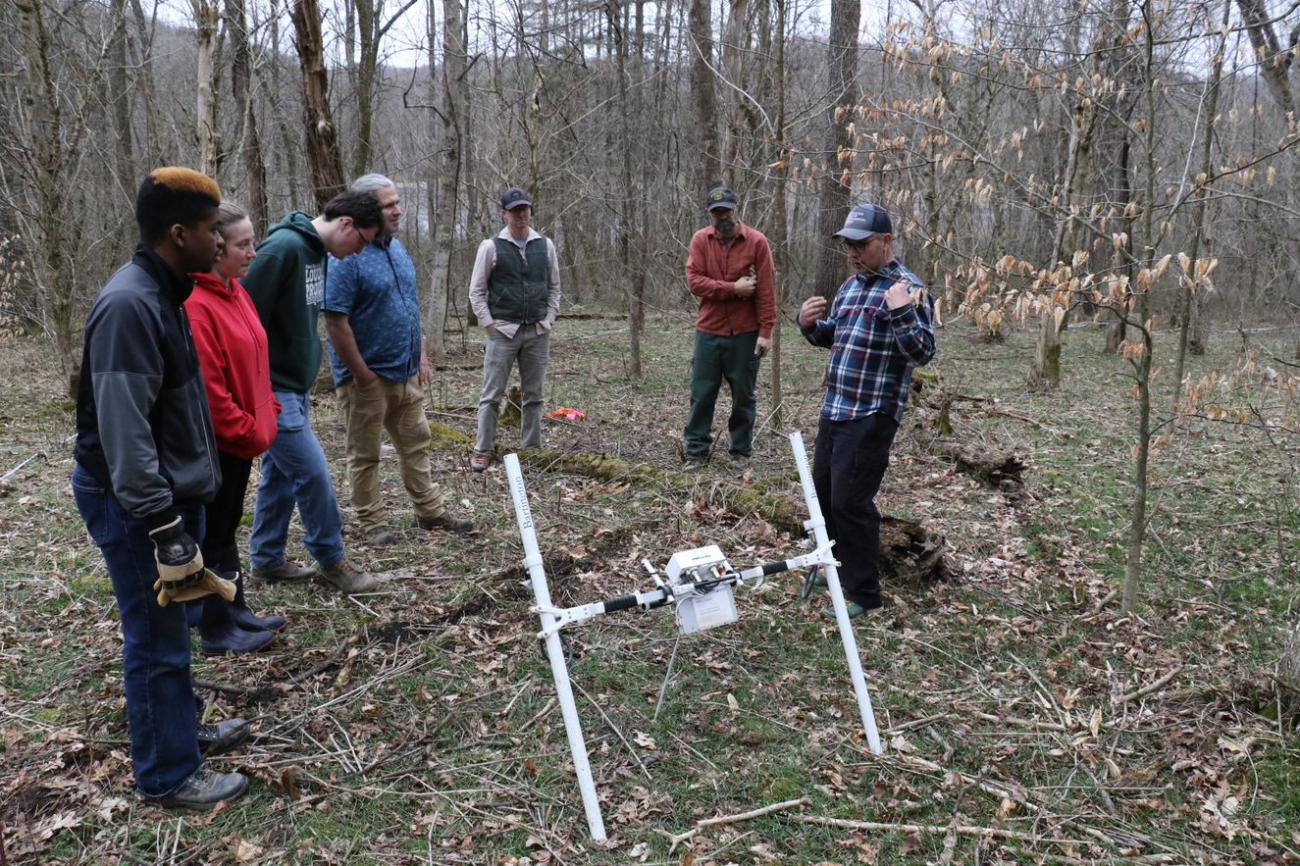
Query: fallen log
(1001,470)
(910,552)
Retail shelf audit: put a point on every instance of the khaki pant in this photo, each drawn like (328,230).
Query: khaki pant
(397,407)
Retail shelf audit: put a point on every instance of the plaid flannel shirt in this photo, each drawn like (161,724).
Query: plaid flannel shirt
(873,348)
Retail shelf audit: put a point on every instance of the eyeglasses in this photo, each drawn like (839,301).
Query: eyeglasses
(368,240)
(856,245)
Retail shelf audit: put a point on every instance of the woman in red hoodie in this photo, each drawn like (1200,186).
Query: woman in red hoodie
(237,372)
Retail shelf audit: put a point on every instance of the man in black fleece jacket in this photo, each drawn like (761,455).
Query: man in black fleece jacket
(146,462)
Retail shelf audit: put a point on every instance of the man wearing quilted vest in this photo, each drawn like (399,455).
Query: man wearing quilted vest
(515,294)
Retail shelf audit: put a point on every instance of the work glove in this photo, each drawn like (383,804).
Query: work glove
(181,575)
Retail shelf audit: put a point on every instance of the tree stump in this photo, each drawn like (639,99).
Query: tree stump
(1288,672)
(1046,373)
(512,413)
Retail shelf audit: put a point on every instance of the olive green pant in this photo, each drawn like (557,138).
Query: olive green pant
(717,358)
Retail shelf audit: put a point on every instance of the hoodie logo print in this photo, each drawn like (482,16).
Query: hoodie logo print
(315,285)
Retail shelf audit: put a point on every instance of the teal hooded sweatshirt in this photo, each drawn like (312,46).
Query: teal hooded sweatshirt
(287,283)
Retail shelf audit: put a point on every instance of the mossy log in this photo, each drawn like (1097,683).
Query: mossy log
(909,551)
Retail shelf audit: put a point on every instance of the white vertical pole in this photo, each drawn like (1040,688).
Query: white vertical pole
(555,650)
(817,522)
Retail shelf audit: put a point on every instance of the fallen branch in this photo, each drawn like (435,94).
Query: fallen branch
(1149,688)
(751,814)
(1023,723)
(254,693)
(675,839)
(961,829)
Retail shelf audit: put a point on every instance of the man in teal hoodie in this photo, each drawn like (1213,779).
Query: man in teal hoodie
(287,283)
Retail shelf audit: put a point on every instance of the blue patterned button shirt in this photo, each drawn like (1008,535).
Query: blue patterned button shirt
(873,348)
(376,290)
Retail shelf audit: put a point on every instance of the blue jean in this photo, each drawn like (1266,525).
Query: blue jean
(294,472)
(161,708)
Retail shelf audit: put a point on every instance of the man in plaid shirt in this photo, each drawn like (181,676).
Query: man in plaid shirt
(878,328)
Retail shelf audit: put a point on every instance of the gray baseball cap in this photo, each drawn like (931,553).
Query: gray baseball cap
(865,220)
(513,198)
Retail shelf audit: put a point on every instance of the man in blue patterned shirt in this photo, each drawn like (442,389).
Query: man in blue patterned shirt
(377,356)
(878,329)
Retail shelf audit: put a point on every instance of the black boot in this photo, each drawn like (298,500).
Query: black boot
(245,618)
(221,635)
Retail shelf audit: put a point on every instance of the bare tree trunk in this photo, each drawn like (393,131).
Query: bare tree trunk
(614,13)
(836,183)
(780,226)
(290,144)
(144,80)
(708,168)
(1117,327)
(250,143)
(318,120)
(1191,300)
(455,105)
(731,52)
(371,33)
(207,71)
(1142,362)
(51,156)
(1274,61)
(119,94)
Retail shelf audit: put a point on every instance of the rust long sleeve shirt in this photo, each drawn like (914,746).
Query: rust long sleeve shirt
(712,269)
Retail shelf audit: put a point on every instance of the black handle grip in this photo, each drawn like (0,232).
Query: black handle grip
(623,603)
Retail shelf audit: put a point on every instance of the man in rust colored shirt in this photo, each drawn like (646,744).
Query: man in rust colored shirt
(729,269)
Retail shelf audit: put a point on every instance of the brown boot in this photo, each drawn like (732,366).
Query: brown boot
(285,571)
(345,576)
(445,521)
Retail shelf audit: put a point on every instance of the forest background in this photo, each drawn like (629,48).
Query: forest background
(1122,174)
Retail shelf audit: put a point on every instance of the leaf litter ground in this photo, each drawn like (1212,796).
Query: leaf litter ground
(1026,719)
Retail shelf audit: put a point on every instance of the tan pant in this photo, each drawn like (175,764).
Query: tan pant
(397,407)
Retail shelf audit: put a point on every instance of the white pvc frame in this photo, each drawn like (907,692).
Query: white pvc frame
(553,619)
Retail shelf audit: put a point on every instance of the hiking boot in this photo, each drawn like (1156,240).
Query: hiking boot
(695,464)
(479,460)
(243,616)
(285,571)
(204,789)
(740,461)
(445,521)
(346,577)
(221,737)
(855,609)
(229,638)
(380,536)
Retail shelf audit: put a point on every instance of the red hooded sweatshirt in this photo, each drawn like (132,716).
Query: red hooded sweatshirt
(236,367)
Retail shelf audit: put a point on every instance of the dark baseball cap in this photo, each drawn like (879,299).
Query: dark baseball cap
(865,220)
(513,198)
(721,196)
